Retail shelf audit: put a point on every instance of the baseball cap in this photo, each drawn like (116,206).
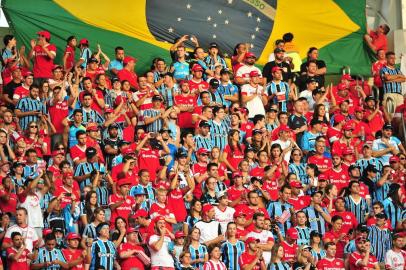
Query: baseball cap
(141,213)
(311,80)
(67,174)
(27,74)
(159,218)
(213,45)
(342,86)
(57,152)
(249,54)
(292,233)
(256,131)
(214,83)
(90,152)
(44,33)
(254,73)
(362,228)
(359,109)
(181,153)
(239,214)
(109,110)
(236,174)
(394,159)
(72,236)
(121,143)
(368,98)
(274,69)
(93,60)
(131,230)
(128,59)
(138,190)
(380,216)
(315,122)
(46,231)
(113,125)
(84,41)
(348,126)
(156,98)
(278,50)
(202,151)
(179,234)
(371,168)
(204,123)
(318,191)
(339,118)
(221,194)
(306,247)
(124,181)
(360,239)
(127,151)
(296,184)
(388,126)
(115,79)
(14,68)
(347,77)
(251,240)
(283,128)
(92,127)
(197,67)
(206,208)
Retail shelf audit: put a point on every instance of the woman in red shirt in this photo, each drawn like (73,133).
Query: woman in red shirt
(234,151)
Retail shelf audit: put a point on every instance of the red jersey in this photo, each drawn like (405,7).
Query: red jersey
(8,201)
(376,122)
(332,235)
(235,156)
(77,152)
(95,106)
(124,210)
(177,203)
(330,264)
(22,263)
(71,255)
(250,211)
(290,251)
(130,76)
(340,178)
(198,169)
(133,261)
(66,199)
(333,134)
(361,126)
(70,57)
(247,127)
(148,159)
(322,162)
(234,194)
(133,175)
(43,64)
(355,257)
(241,233)
(349,220)
(58,112)
(161,210)
(21,92)
(271,186)
(379,40)
(246,259)
(185,118)
(372,221)
(194,86)
(376,68)
(300,202)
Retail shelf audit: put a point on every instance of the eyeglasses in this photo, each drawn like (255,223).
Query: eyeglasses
(376,207)
(297,155)
(33,126)
(402,158)
(60,148)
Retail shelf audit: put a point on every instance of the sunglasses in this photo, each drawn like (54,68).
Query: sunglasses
(402,158)
(60,148)
(33,126)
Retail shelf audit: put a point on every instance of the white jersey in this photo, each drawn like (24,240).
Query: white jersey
(32,204)
(224,217)
(161,257)
(264,237)
(255,105)
(395,260)
(244,71)
(29,233)
(208,230)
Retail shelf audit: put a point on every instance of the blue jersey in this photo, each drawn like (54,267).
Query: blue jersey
(103,254)
(303,235)
(276,209)
(281,91)
(168,94)
(381,240)
(116,64)
(390,87)
(230,254)
(90,231)
(308,141)
(198,253)
(218,133)
(318,255)
(227,89)
(379,193)
(156,125)
(203,142)
(181,70)
(211,62)
(315,219)
(72,134)
(191,221)
(28,104)
(299,170)
(392,211)
(360,209)
(86,168)
(85,55)
(378,145)
(279,266)
(45,255)
(149,197)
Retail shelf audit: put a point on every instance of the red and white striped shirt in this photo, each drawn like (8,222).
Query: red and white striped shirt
(214,265)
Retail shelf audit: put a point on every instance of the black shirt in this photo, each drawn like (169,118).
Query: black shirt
(9,91)
(301,82)
(295,122)
(286,71)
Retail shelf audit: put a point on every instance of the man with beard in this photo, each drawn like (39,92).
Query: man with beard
(117,64)
(281,64)
(361,258)
(242,75)
(29,109)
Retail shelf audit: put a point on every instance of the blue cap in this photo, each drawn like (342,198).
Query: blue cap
(137,190)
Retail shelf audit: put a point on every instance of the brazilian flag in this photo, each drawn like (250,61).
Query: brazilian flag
(146,28)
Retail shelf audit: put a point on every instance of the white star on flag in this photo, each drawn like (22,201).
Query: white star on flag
(209,18)
(179,19)
(258,19)
(226,22)
(256,29)
(188,6)
(249,14)
(214,24)
(170,30)
(230,2)
(214,36)
(252,36)
(220,11)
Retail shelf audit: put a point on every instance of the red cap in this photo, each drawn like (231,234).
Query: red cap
(322,176)
(197,67)
(347,77)
(394,159)
(206,208)
(254,73)
(249,54)
(348,126)
(274,69)
(292,233)
(239,214)
(342,86)
(179,234)
(359,109)
(57,152)
(67,174)
(360,239)
(339,118)
(46,231)
(57,67)
(127,151)
(159,218)
(236,174)
(44,33)
(27,73)
(72,236)
(283,128)
(182,82)
(124,181)
(14,68)
(296,184)
(348,151)
(92,127)
(251,240)
(128,59)
(84,41)
(109,110)
(202,151)
(141,213)
(131,230)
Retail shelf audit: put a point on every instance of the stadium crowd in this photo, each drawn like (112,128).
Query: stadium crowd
(200,163)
